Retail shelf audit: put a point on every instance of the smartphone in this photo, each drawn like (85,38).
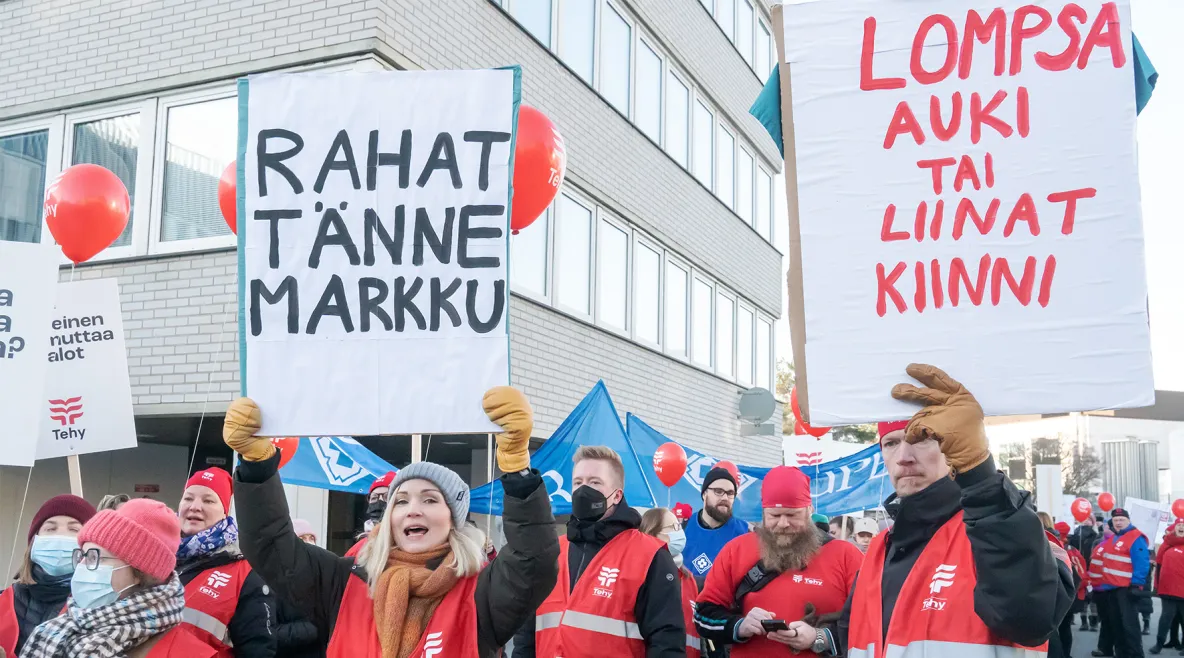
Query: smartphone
(771,625)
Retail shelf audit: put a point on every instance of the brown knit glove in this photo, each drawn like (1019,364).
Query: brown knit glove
(243,420)
(510,409)
(951,416)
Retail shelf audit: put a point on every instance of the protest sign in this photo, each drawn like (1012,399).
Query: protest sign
(372,249)
(28,283)
(87,405)
(1150,517)
(963,192)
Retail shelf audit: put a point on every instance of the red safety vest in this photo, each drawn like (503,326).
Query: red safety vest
(210,601)
(1095,565)
(597,617)
(1171,572)
(357,547)
(451,632)
(177,643)
(1116,570)
(1079,568)
(10,629)
(690,594)
(934,613)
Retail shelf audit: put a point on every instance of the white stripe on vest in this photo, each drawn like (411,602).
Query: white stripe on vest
(926,648)
(587,622)
(208,624)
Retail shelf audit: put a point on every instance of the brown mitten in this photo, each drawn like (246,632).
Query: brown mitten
(510,409)
(951,416)
(243,420)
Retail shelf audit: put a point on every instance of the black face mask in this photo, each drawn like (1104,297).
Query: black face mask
(375,510)
(588,504)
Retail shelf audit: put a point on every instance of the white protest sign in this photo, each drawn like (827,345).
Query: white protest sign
(373,249)
(87,406)
(966,196)
(1150,517)
(28,283)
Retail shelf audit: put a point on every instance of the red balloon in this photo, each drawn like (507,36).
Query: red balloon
(86,208)
(287,446)
(540,162)
(815,432)
(799,429)
(1106,501)
(228,196)
(670,462)
(1178,508)
(1082,509)
(729,467)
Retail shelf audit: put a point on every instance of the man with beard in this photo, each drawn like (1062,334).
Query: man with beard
(714,525)
(783,571)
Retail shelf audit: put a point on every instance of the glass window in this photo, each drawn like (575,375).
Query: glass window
(710,4)
(201,139)
(535,16)
(647,265)
(764,361)
(678,110)
(648,114)
(577,33)
(573,260)
(22,185)
(744,23)
(612,275)
(725,15)
(113,143)
(616,43)
(725,186)
(676,309)
(764,186)
(764,51)
(744,187)
(702,143)
(528,256)
(744,346)
(780,220)
(701,298)
(724,317)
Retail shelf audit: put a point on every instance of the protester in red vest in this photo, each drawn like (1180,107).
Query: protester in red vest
(375,507)
(418,588)
(125,598)
(1169,583)
(966,561)
(227,605)
(1125,574)
(782,571)
(664,524)
(43,583)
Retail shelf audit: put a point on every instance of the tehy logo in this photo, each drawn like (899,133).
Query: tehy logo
(608,576)
(809,458)
(932,604)
(943,576)
(66,411)
(797,578)
(434,645)
(218,580)
(207,477)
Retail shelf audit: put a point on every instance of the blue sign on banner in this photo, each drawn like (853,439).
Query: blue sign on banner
(338,463)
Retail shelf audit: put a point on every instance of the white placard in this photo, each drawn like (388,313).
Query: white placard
(373,249)
(1030,288)
(1150,517)
(87,406)
(28,283)
(1049,496)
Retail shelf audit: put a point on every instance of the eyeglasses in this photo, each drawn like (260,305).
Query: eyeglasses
(90,558)
(667,529)
(723,493)
(384,497)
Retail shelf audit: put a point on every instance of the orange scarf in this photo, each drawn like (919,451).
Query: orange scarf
(407,595)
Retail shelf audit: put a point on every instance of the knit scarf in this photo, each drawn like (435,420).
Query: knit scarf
(407,594)
(210,540)
(109,631)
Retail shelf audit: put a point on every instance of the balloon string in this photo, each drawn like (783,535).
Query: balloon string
(20,517)
(204,405)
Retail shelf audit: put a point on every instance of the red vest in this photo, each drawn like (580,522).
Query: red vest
(1095,565)
(1116,570)
(597,617)
(451,632)
(934,613)
(1171,572)
(210,601)
(10,629)
(1079,568)
(690,593)
(178,643)
(357,547)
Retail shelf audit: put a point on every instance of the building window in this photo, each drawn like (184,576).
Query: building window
(744,186)
(764,361)
(648,113)
(678,110)
(676,309)
(573,255)
(744,23)
(704,129)
(535,16)
(577,36)
(647,272)
(113,143)
(725,312)
(780,218)
(744,320)
(23,160)
(764,186)
(764,51)
(528,257)
(701,298)
(725,186)
(725,15)
(710,4)
(612,275)
(616,44)
(200,140)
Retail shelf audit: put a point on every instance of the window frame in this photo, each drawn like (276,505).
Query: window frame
(548,251)
(741,305)
(742,152)
(557,37)
(716,152)
(603,217)
(510,7)
(715,15)
(770,57)
(667,261)
(750,57)
(772,348)
(556,273)
(644,241)
(710,182)
(756,194)
(721,291)
(619,10)
(642,41)
(696,275)
(55,126)
(687,163)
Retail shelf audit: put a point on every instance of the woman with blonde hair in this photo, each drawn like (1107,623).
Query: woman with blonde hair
(420,586)
(662,523)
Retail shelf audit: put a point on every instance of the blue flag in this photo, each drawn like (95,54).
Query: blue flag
(338,463)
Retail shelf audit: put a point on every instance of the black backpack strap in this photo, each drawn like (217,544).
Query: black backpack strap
(754,581)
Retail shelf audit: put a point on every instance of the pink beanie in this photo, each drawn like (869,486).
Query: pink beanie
(144,533)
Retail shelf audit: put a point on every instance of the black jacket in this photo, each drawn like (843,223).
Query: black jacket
(658,609)
(38,603)
(508,590)
(1022,592)
(296,634)
(252,628)
(1084,538)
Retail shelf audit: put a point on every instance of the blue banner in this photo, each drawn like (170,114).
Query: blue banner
(338,463)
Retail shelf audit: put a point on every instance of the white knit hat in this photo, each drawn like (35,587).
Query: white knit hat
(456,492)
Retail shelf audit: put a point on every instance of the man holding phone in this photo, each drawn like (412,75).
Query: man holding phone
(765,583)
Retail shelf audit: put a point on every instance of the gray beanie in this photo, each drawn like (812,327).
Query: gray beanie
(456,492)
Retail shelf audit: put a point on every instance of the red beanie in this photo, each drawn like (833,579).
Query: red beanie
(63,505)
(145,533)
(217,480)
(1062,529)
(883,429)
(682,512)
(787,487)
(384,481)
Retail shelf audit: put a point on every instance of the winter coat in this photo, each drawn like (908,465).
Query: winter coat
(1022,591)
(252,628)
(659,615)
(508,590)
(295,634)
(1084,538)
(38,603)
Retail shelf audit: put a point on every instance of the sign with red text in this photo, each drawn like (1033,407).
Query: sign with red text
(966,195)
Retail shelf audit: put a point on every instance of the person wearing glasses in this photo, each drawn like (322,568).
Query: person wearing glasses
(380,491)
(714,525)
(43,584)
(662,523)
(125,598)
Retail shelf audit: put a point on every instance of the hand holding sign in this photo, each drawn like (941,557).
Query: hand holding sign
(86,208)
(510,409)
(243,420)
(951,416)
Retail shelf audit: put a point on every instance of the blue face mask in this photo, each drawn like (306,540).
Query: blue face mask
(54,554)
(678,541)
(93,589)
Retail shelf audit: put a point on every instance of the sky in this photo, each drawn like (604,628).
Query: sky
(1161,173)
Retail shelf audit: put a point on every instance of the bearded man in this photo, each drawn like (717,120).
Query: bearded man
(786,571)
(714,525)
